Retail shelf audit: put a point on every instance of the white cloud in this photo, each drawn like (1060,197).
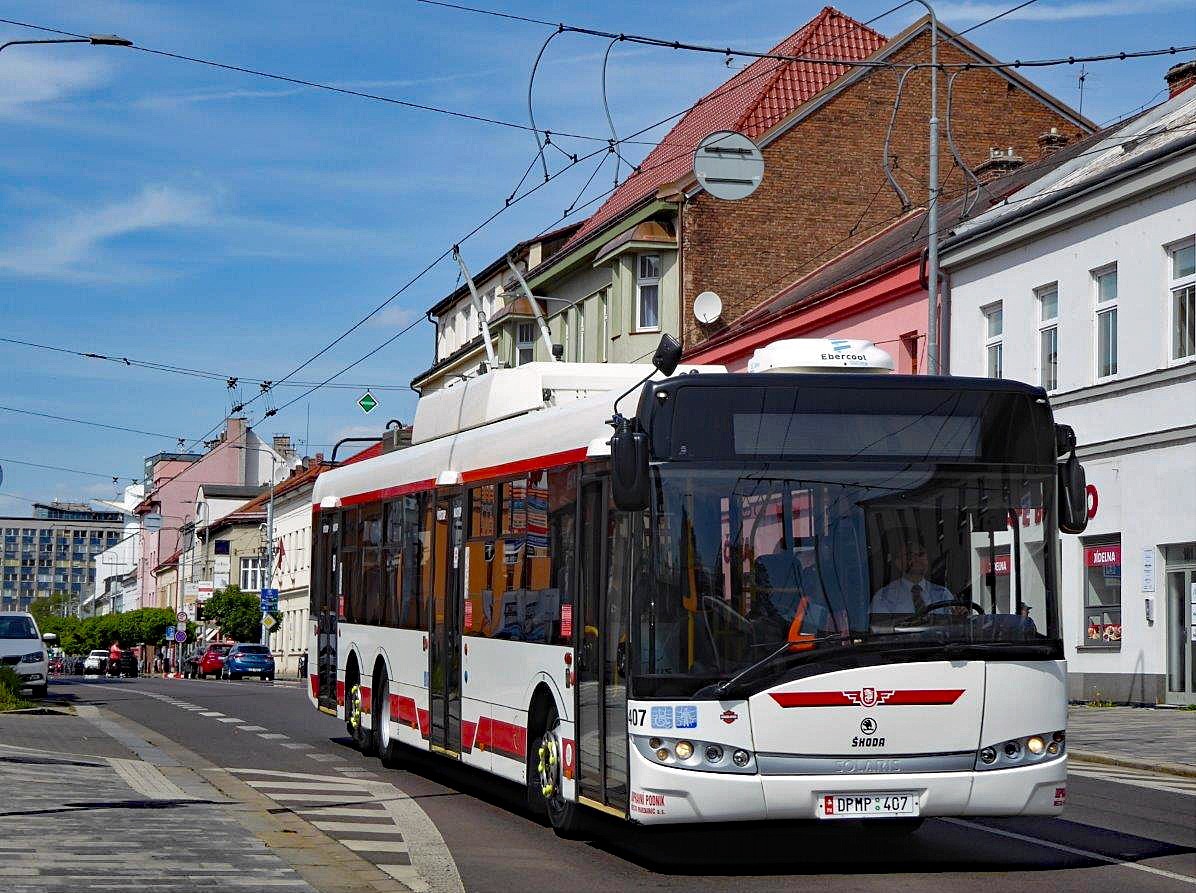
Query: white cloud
(968,11)
(178,100)
(393,317)
(73,246)
(31,78)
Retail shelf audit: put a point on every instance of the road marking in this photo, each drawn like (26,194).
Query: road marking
(210,713)
(375,846)
(330,785)
(408,875)
(229,719)
(1075,851)
(1152,780)
(273,736)
(278,773)
(325,757)
(387,827)
(295,745)
(252,728)
(347,812)
(146,780)
(293,796)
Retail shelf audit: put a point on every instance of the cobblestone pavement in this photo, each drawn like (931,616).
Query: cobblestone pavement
(117,823)
(1143,736)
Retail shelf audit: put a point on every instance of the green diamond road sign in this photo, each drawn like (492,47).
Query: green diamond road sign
(367,402)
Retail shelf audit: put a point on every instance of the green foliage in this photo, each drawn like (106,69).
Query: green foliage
(237,613)
(143,626)
(10,682)
(49,606)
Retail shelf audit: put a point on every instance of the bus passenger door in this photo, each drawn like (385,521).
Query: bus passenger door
(327,610)
(601,689)
(444,623)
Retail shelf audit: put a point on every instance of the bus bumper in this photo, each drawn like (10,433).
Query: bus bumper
(666,795)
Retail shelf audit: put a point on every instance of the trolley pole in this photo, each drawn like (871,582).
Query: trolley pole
(932,210)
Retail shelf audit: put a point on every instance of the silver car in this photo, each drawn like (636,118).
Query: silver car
(22,648)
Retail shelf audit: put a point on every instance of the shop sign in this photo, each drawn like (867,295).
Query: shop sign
(1103,556)
(998,567)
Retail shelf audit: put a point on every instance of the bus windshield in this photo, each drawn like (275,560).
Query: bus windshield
(760,571)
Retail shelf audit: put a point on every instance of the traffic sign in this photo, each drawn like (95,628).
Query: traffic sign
(269,622)
(367,402)
(269,599)
(169,632)
(182,616)
(180,636)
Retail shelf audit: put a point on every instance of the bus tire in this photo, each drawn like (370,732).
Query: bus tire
(385,731)
(361,736)
(544,778)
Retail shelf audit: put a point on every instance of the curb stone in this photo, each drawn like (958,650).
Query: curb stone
(1089,756)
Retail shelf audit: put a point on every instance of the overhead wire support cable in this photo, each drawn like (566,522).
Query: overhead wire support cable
(58,418)
(95,474)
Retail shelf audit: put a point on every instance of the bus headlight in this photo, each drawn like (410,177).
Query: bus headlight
(702,756)
(1021,751)
(684,750)
(714,754)
(741,758)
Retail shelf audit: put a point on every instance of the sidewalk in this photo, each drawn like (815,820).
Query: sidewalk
(89,804)
(1158,739)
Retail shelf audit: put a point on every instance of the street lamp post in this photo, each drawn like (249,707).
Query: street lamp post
(96,40)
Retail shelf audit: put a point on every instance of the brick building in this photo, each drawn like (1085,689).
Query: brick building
(634,268)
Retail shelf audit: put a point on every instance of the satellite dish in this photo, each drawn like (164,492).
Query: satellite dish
(707,307)
(728,165)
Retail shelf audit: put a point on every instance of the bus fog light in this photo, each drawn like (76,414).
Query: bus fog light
(988,755)
(741,758)
(1035,745)
(662,754)
(684,750)
(1053,748)
(714,754)
(1013,749)
(655,743)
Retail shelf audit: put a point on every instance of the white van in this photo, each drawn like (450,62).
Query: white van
(22,648)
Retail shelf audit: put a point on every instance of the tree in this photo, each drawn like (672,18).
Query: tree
(47,606)
(237,613)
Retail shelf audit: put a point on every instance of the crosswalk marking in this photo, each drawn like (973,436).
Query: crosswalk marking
(229,719)
(332,784)
(211,713)
(346,812)
(295,745)
(375,846)
(291,797)
(386,827)
(325,757)
(1135,777)
(273,736)
(252,728)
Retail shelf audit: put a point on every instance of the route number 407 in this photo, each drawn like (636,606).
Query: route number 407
(636,717)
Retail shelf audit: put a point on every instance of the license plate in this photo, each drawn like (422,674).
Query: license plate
(868,806)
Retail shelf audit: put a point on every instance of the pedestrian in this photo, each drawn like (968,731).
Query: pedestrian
(165,664)
(114,659)
(303,665)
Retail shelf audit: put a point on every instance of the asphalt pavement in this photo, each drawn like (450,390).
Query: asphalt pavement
(1124,829)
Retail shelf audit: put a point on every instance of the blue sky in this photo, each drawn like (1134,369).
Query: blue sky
(173,212)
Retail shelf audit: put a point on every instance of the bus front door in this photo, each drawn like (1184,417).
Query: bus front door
(603,576)
(326,611)
(444,624)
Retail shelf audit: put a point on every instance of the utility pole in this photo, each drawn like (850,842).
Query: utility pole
(932,210)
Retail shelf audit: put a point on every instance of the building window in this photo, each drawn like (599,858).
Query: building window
(579,333)
(1183,299)
(647,292)
(525,343)
(253,574)
(1048,336)
(994,348)
(1102,592)
(1104,284)
(604,325)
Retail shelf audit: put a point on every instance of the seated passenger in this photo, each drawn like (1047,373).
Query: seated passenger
(911,592)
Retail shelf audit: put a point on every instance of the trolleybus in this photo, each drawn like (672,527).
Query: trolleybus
(813,590)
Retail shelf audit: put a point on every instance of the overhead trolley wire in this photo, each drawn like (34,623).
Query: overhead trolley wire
(95,474)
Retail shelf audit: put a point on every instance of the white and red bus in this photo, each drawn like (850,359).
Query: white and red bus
(804,594)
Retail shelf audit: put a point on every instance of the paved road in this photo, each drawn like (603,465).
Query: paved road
(1123,830)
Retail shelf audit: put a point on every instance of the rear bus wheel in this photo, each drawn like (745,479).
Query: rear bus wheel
(385,731)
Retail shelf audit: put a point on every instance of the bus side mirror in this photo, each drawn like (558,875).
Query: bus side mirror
(1073,496)
(629,483)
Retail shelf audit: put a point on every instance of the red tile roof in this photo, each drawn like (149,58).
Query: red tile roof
(756,99)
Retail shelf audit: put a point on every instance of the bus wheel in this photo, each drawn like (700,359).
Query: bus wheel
(384,728)
(544,780)
(362,738)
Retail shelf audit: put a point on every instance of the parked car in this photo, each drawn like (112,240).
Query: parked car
(22,648)
(96,663)
(209,663)
(128,664)
(249,660)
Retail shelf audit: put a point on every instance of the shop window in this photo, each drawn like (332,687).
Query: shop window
(1102,592)
(1104,283)
(1048,336)
(994,342)
(1183,299)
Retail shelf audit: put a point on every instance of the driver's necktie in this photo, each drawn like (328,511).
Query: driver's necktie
(915,592)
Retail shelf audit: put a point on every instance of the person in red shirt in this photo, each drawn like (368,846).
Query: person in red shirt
(114,659)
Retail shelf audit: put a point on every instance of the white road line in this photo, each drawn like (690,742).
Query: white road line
(338,785)
(295,745)
(1153,782)
(408,875)
(278,773)
(346,812)
(318,798)
(1075,851)
(252,728)
(210,713)
(357,827)
(273,736)
(229,719)
(325,757)
(375,846)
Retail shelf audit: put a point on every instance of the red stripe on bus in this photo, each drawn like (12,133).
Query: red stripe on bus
(503,738)
(394,708)
(469,731)
(389,492)
(906,698)
(926,696)
(536,463)
(812,699)
(315,686)
(340,692)
(366,699)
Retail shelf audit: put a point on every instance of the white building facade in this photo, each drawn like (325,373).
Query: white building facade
(121,557)
(292,573)
(1084,283)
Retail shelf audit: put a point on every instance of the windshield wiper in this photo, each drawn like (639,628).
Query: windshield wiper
(726,684)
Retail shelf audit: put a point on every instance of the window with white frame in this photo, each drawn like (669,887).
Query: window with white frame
(647,292)
(1048,336)
(253,574)
(603,325)
(1104,286)
(579,333)
(1183,299)
(525,343)
(994,341)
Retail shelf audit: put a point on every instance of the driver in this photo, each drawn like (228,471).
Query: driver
(911,592)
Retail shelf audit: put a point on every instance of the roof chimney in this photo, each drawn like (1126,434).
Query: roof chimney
(999,164)
(1050,142)
(282,445)
(1180,77)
